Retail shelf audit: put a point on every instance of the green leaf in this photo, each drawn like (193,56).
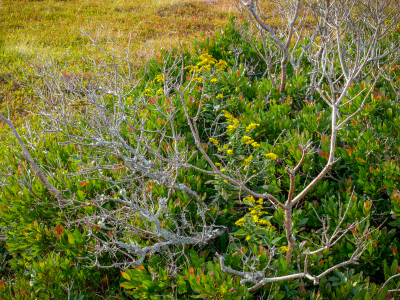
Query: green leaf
(271,189)
(126,276)
(71,239)
(128,285)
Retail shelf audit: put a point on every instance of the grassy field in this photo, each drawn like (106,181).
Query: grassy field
(55,28)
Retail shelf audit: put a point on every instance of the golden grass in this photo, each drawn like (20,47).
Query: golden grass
(53,26)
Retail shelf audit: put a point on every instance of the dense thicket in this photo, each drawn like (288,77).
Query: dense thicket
(75,249)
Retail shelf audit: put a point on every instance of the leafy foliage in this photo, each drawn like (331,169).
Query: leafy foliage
(247,117)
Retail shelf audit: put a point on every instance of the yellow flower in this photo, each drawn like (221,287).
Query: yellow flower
(283,249)
(252,126)
(206,67)
(230,128)
(219,96)
(226,181)
(255,145)
(159,78)
(198,79)
(207,59)
(255,218)
(214,141)
(260,201)
(265,222)
(223,170)
(221,65)
(218,164)
(250,199)
(246,161)
(214,80)
(248,238)
(227,114)
(226,146)
(246,139)
(240,222)
(160,91)
(272,156)
(230,151)
(229,118)
(253,211)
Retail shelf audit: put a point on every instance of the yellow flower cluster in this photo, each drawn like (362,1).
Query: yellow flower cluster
(214,80)
(231,119)
(250,199)
(257,210)
(197,69)
(219,96)
(160,91)
(206,59)
(230,128)
(214,141)
(218,164)
(159,78)
(272,156)
(206,62)
(265,222)
(221,65)
(283,249)
(198,79)
(249,141)
(251,126)
(245,139)
(240,222)
(247,161)
(230,151)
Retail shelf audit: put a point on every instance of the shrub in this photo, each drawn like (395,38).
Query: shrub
(204,180)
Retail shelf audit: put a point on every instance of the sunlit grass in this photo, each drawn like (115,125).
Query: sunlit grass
(54,28)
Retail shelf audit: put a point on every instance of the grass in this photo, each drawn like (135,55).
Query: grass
(55,28)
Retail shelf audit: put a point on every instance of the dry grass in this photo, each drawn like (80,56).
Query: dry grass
(52,26)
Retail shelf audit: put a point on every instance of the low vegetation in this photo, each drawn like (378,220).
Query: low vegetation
(254,163)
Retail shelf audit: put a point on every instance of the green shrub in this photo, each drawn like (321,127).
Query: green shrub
(55,251)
